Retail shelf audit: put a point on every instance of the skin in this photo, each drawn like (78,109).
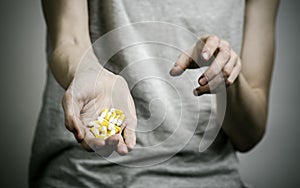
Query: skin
(247,77)
(82,102)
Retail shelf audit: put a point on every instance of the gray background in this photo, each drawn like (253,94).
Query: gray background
(273,163)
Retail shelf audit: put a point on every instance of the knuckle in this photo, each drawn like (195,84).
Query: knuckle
(229,82)
(227,72)
(215,70)
(214,37)
(226,54)
(225,43)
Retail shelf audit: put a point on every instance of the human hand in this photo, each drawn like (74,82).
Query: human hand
(92,89)
(226,62)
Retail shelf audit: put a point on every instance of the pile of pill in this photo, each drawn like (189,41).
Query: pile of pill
(108,123)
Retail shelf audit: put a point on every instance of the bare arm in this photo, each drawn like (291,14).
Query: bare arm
(246,116)
(248,78)
(67,24)
(89,93)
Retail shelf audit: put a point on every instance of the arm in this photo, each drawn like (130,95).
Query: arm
(67,24)
(246,116)
(247,96)
(87,93)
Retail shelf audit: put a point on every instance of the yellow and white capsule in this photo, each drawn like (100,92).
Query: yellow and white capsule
(108,115)
(111,119)
(100,119)
(104,112)
(118,129)
(112,132)
(95,131)
(103,130)
(111,127)
(120,120)
(117,111)
(116,119)
(105,123)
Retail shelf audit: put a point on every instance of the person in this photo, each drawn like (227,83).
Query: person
(240,34)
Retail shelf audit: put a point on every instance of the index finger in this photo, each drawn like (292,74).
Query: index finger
(217,65)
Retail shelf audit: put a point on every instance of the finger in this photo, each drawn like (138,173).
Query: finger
(72,113)
(230,64)
(105,147)
(129,137)
(235,72)
(211,44)
(121,147)
(181,64)
(201,90)
(212,87)
(86,146)
(217,65)
(101,147)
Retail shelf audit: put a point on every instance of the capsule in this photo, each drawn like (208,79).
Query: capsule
(100,119)
(111,127)
(120,120)
(104,112)
(112,117)
(103,130)
(112,132)
(108,116)
(118,112)
(118,129)
(105,123)
(95,131)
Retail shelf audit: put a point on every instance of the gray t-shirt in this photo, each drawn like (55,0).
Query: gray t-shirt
(141,40)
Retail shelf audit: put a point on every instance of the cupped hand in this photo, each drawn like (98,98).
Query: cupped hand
(226,64)
(92,89)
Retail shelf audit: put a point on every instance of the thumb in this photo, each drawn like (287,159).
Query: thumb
(72,116)
(181,64)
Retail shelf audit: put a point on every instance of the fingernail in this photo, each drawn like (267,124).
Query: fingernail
(202,80)
(195,92)
(205,55)
(176,70)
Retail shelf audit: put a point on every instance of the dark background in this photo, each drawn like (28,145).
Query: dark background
(273,163)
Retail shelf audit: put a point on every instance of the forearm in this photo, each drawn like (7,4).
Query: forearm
(246,114)
(247,108)
(67,25)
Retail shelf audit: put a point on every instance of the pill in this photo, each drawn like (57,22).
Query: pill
(118,112)
(116,119)
(103,130)
(111,127)
(118,129)
(112,132)
(112,117)
(100,119)
(107,124)
(95,131)
(108,116)
(104,112)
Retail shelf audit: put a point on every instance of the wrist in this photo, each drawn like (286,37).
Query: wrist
(65,60)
